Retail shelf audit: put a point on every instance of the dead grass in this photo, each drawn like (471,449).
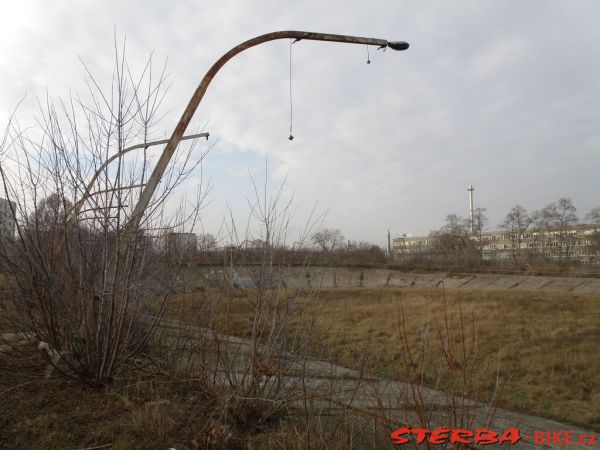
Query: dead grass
(58,413)
(543,344)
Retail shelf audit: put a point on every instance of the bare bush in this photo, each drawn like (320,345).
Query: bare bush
(72,285)
(446,357)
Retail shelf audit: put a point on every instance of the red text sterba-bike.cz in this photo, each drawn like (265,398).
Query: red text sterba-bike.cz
(445,435)
(485,436)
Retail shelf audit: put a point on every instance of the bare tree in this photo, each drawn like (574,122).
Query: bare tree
(557,219)
(480,222)
(86,302)
(517,222)
(454,239)
(594,216)
(328,239)
(364,252)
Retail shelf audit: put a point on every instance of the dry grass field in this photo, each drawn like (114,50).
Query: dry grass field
(538,352)
(544,346)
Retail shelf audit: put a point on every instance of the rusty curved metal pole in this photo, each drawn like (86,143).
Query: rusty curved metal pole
(74,212)
(185,119)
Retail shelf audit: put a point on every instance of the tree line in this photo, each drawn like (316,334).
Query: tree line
(326,246)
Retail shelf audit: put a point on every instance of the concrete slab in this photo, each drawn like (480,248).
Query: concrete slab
(456,281)
(588,287)
(377,277)
(507,282)
(479,282)
(564,284)
(402,279)
(533,283)
(428,280)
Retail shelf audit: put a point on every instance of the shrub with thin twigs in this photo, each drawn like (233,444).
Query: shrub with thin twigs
(69,286)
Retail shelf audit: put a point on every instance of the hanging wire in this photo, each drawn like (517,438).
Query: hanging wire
(368,56)
(291,138)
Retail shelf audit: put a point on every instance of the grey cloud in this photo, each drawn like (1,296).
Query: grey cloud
(501,94)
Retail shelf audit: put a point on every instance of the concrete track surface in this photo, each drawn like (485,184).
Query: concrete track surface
(329,390)
(332,389)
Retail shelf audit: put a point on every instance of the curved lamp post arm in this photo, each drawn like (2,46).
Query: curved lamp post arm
(176,137)
(74,212)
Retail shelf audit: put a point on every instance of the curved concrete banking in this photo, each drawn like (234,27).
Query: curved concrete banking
(346,277)
(191,278)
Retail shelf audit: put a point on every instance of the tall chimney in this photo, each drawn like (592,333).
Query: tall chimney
(470,189)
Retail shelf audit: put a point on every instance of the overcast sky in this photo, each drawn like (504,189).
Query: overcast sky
(504,95)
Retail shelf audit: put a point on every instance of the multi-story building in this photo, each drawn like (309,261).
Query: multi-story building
(579,243)
(7,220)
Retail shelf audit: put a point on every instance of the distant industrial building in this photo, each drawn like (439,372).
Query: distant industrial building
(7,220)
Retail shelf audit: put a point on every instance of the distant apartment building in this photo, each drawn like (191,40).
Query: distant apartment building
(579,243)
(7,221)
